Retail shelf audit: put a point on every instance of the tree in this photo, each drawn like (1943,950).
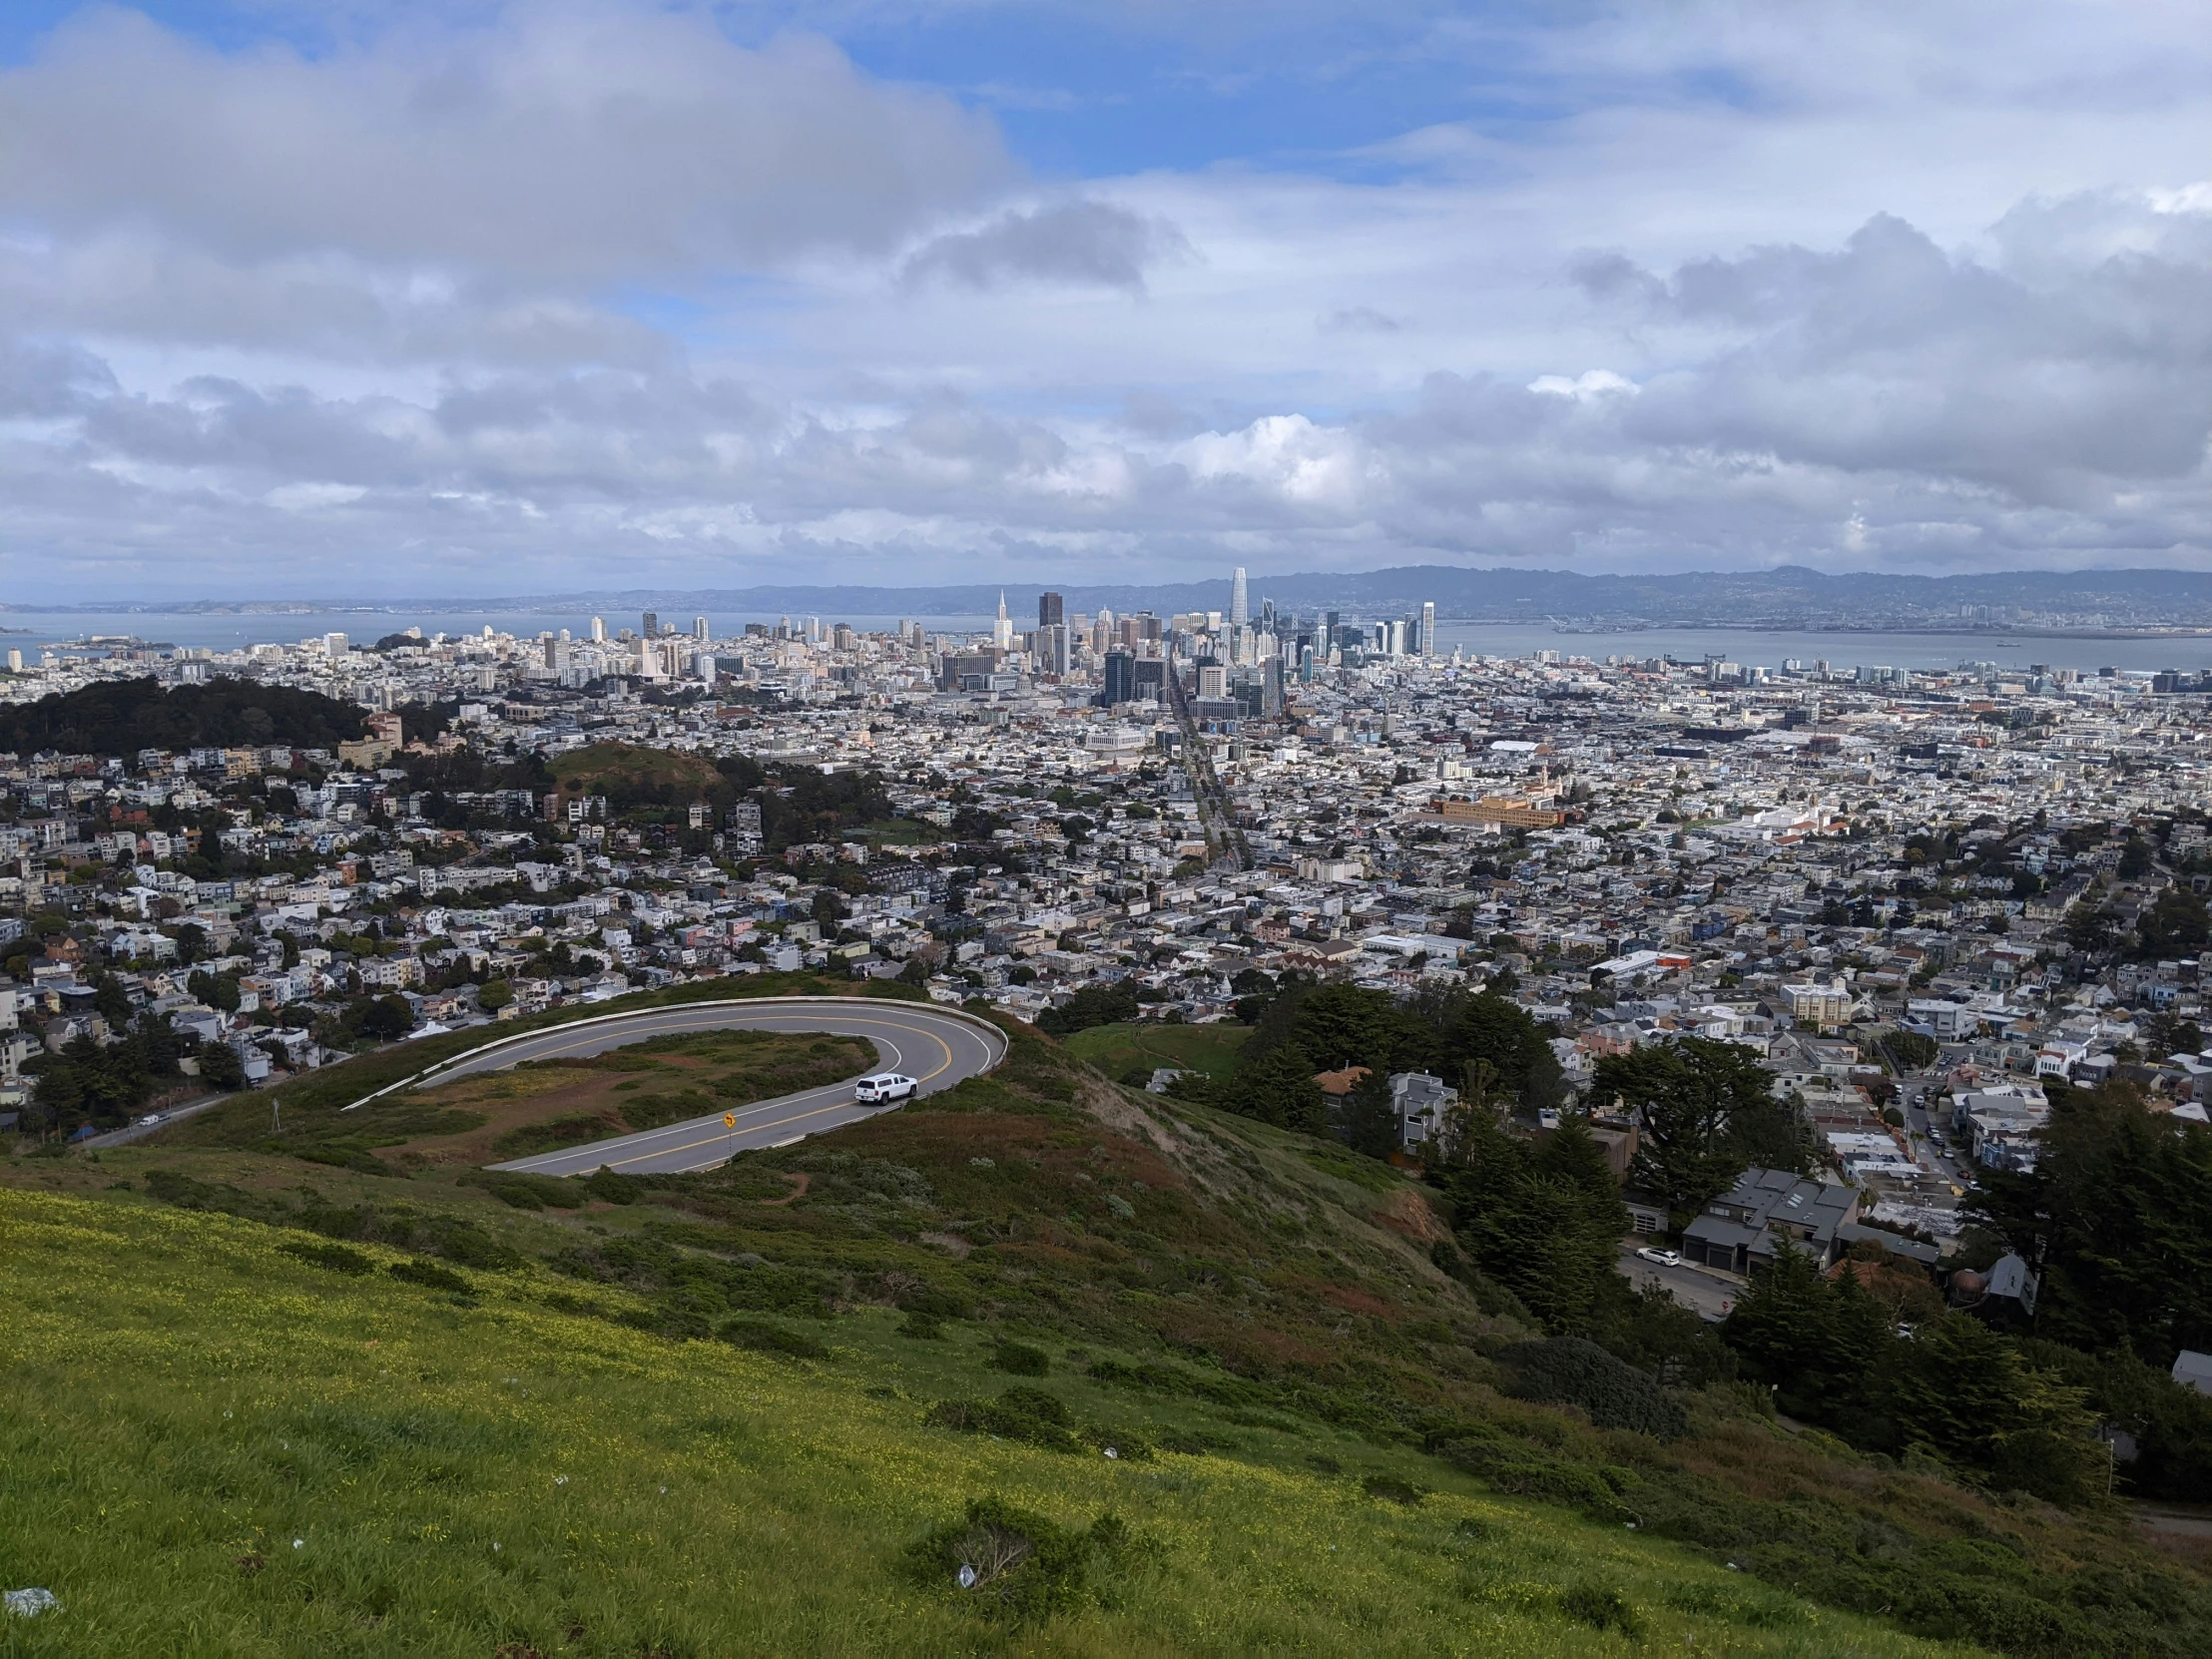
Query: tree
(1279,1088)
(2176,925)
(1707,1112)
(1963,1391)
(2117,1215)
(1367,1120)
(383,1019)
(1545,1221)
(1107,1004)
(220,1067)
(1818,1343)
(495,995)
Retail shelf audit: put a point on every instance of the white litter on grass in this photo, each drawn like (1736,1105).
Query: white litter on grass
(299,1544)
(29,1604)
(1111,1452)
(495,1550)
(560,1480)
(967,1577)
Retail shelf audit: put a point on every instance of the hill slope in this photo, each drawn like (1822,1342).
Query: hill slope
(826,1351)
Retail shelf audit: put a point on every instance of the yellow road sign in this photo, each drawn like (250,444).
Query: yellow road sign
(729,1120)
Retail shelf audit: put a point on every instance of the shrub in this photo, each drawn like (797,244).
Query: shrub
(337,1258)
(1387,1488)
(1029,1415)
(608,1187)
(1575,1371)
(1602,1608)
(922,1327)
(428,1275)
(1018,1566)
(1019,1360)
(765,1337)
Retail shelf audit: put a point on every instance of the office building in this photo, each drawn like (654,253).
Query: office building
(650,626)
(599,630)
(1054,648)
(698,627)
(1239,606)
(1429,629)
(1050,613)
(1003,627)
(1120,678)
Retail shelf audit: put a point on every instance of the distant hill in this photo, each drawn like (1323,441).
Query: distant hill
(123,716)
(1786,597)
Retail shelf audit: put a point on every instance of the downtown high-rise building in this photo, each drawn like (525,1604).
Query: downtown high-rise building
(1052,610)
(698,627)
(652,625)
(1427,645)
(1240,605)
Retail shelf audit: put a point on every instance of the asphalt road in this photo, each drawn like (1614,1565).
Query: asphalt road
(135,1131)
(1705,1294)
(928,1044)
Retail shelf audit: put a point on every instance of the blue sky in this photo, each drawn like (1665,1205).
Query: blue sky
(346,299)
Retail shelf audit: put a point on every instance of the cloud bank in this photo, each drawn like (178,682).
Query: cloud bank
(586,295)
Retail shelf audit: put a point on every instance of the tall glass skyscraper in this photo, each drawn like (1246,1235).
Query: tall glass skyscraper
(1240,608)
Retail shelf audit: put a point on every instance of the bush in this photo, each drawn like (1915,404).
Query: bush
(428,1275)
(1019,1360)
(1600,1608)
(1018,1566)
(1387,1488)
(765,1337)
(337,1258)
(1029,1415)
(1574,1371)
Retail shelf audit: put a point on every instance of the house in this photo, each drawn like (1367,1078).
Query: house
(1422,1103)
(2193,1369)
(1743,1230)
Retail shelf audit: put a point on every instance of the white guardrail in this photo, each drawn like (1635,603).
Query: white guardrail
(938,1009)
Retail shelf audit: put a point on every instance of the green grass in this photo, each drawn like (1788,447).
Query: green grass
(216,1446)
(1117,1050)
(1257,1312)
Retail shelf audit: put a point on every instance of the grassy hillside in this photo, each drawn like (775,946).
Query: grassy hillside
(1327,1440)
(1119,1050)
(217,1445)
(595,767)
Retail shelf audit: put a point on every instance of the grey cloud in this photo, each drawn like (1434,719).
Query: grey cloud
(1081,243)
(564,141)
(1359,320)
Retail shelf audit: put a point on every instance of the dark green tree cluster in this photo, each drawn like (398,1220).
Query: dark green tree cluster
(88,1082)
(2117,1216)
(1105,1004)
(121,716)
(1541,1216)
(1707,1112)
(1951,1388)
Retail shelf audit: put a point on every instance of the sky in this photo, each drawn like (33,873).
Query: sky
(332,299)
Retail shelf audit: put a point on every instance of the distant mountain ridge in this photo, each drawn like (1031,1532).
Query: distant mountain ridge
(1789,596)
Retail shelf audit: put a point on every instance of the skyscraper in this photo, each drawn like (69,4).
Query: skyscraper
(1121,680)
(652,627)
(1002,629)
(599,630)
(1428,646)
(1240,608)
(1050,613)
(698,627)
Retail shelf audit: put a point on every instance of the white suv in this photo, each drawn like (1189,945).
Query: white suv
(885,1085)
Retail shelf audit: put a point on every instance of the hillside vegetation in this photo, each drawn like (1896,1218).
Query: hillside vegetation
(861,1361)
(121,716)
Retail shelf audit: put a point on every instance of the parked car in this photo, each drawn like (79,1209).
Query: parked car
(885,1085)
(151,1118)
(1665,1258)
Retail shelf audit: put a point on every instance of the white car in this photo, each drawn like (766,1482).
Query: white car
(1665,1258)
(885,1085)
(150,1120)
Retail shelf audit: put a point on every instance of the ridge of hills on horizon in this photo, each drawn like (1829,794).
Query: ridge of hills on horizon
(1787,596)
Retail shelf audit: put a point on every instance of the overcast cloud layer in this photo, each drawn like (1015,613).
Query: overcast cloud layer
(538,297)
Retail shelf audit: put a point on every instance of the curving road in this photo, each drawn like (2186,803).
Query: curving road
(933,1045)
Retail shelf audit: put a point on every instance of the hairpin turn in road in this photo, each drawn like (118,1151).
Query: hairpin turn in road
(936,1046)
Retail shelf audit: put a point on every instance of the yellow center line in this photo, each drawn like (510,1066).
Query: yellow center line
(916,1030)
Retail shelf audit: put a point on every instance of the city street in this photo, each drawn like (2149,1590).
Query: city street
(1705,1293)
